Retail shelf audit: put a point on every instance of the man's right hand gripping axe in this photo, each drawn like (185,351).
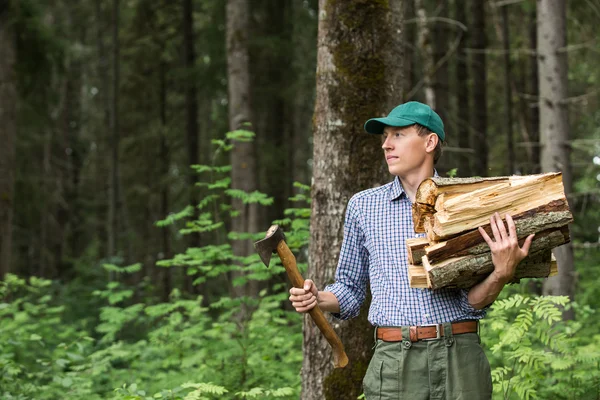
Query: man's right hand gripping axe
(274,242)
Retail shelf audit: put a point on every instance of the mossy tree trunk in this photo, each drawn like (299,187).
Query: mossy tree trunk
(554,124)
(359,75)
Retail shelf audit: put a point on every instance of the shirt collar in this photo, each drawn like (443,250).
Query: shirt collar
(396,189)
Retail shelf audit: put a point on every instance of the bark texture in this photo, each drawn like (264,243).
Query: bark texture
(478,68)
(8,123)
(456,270)
(463,131)
(243,158)
(425,43)
(358,77)
(191,109)
(554,123)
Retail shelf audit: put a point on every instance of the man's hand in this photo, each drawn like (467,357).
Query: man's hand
(305,299)
(506,253)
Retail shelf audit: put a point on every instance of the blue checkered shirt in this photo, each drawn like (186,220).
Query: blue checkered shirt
(378,222)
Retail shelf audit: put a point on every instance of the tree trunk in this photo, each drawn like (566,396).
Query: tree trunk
(191,111)
(166,281)
(462,98)
(8,122)
(408,49)
(534,110)
(478,70)
(510,147)
(113,209)
(441,35)
(104,233)
(554,124)
(425,46)
(358,77)
(243,158)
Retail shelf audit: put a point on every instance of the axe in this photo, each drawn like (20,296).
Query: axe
(274,242)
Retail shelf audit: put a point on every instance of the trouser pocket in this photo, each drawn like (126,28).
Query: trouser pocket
(372,380)
(382,379)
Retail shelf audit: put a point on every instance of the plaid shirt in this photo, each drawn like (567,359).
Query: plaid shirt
(378,222)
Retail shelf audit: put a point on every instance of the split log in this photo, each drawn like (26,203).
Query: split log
(430,188)
(415,248)
(473,243)
(417,277)
(452,271)
(419,213)
(526,269)
(466,211)
(449,211)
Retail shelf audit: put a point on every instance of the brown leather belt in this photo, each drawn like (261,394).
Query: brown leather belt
(426,332)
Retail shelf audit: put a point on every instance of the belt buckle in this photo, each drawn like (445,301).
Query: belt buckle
(438,332)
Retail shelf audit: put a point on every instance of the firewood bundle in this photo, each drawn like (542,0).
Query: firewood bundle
(449,211)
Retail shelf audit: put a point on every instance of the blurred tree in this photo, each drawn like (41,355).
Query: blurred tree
(533,88)
(508,82)
(8,122)
(478,71)
(191,108)
(243,156)
(554,124)
(463,131)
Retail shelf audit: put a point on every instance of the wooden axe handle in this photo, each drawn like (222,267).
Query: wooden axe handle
(340,359)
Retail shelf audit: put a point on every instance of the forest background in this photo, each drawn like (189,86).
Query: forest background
(145,144)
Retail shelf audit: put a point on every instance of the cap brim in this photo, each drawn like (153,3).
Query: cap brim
(377,125)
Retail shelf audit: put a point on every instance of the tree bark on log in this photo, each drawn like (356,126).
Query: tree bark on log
(473,243)
(535,266)
(451,272)
(415,248)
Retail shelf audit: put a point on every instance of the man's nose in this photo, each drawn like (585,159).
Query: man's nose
(386,144)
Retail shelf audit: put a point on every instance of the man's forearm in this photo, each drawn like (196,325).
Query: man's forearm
(485,292)
(328,302)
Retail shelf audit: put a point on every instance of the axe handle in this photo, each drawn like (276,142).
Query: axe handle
(340,359)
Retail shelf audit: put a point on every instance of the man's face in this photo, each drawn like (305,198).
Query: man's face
(405,151)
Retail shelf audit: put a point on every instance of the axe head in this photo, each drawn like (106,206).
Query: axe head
(267,246)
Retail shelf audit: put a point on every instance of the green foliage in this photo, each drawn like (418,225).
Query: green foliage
(535,355)
(187,348)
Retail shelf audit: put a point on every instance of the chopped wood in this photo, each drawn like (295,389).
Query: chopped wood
(419,213)
(473,243)
(429,231)
(452,271)
(430,188)
(469,210)
(450,210)
(418,277)
(415,248)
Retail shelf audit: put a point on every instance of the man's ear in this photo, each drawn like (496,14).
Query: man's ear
(432,141)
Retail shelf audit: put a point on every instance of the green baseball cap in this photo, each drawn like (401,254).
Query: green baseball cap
(408,114)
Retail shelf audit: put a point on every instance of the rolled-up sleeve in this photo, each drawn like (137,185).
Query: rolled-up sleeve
(351,275)
(463,298)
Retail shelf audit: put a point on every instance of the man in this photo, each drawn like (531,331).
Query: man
(428,345)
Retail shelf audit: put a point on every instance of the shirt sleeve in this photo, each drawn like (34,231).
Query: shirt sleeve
(463,298)
(352,271)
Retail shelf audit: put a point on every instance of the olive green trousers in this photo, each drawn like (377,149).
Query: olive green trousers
(450,368)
